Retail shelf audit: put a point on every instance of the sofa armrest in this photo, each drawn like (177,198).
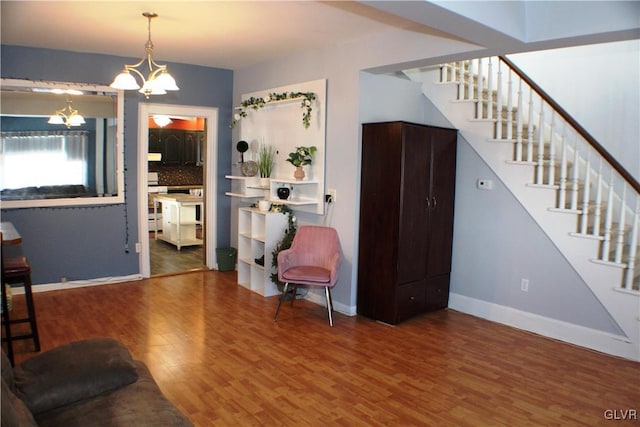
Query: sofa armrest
(14,412)
(73,372)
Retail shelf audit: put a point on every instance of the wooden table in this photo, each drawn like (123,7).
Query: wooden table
(10,235)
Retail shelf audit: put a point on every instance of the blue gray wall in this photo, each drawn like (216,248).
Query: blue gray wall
(82,243)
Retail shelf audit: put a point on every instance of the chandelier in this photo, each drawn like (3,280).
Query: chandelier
(67,116)
(158,81)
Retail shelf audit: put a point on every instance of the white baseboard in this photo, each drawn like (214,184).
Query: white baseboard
(605,342)
(78,284)
(317,296)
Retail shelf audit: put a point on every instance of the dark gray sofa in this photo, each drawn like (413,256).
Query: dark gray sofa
(93,382)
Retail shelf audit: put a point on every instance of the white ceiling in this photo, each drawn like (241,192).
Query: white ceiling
(225,34)
(238,34)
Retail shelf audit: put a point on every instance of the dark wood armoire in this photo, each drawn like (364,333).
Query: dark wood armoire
(406,219)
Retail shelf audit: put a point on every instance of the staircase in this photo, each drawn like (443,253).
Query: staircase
(585,202)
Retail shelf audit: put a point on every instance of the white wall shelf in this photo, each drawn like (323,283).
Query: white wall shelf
(303,193)
(245,187)
(258,234)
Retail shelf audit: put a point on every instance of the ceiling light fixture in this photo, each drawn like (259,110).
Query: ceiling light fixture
(158,81)
(68,116)
(161,120)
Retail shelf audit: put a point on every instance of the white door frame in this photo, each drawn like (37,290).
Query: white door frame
(210,166)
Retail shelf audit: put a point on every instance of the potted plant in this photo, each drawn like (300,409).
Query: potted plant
(300,157)
(266,161)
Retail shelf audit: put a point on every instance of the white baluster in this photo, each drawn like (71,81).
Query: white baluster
(530,128)
(575,177)
(585,197)
(443,73)
(628,279)
(598,207)
(490,90)
(480,90)
(499,103)
(519,123)
(621,222)
(552,150)
(608,221)
(510,105)
(460,80)
(562,195)
(540,169)
(470,80)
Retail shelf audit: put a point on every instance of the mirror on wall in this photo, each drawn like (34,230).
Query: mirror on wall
(61,144)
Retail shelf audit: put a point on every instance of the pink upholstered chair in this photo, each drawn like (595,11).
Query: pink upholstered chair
(313,260)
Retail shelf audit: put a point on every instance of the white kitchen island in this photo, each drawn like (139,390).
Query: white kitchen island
(180,218)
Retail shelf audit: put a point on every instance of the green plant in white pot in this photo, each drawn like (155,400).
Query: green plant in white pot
(266,161)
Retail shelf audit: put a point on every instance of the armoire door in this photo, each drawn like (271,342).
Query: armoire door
(442,191)
(414,208)
(379,216)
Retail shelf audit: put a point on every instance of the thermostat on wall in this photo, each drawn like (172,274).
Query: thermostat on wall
(485,184)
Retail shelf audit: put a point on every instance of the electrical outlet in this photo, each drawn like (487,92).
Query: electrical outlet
(332,194)
(524,285)
(138,248)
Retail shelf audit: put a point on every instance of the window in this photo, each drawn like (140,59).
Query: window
(39,159)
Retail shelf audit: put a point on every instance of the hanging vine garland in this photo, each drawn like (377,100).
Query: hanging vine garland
(254,103)
(285,242)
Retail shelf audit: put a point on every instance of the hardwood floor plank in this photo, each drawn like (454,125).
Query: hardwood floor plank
(216,352)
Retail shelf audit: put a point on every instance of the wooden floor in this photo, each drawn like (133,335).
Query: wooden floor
(165,258)
(216,352)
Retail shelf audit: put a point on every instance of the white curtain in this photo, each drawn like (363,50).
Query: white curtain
(43,158)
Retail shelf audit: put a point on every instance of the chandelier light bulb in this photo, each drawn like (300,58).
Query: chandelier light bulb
(56,120)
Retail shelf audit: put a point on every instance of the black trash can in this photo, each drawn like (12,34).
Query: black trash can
(226,258)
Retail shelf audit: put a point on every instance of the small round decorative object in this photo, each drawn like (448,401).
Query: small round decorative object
(242,146)
(283,193)
(249,168)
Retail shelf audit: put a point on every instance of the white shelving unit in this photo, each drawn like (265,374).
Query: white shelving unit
(258,234)
(303,193)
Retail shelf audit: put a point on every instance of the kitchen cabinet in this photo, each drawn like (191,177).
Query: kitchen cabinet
(192,148)
(406,219)
(177,146)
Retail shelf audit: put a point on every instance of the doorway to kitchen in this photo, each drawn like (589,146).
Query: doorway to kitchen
(176,188)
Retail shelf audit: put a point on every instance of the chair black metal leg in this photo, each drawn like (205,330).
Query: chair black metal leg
(31,311)
(293,294)
(282,297)
(329,304)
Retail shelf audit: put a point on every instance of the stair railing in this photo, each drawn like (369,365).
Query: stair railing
(588,180)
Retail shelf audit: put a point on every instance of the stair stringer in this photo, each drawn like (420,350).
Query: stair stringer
(602,280)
